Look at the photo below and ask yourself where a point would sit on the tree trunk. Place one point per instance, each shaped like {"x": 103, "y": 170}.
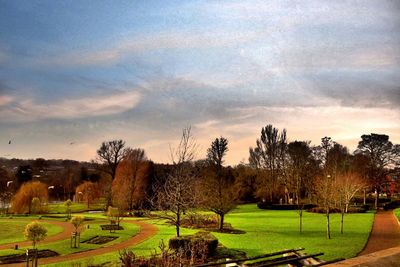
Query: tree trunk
{"x": 221, "y": 221}
{"x": 365, "y": 197}
{"x": 328, "y": 225}
{"x": 342, "y": 221}
{"x": 178, "y": 222}
{"x": 376, "y": 199}
{"x": 301, "y": 219}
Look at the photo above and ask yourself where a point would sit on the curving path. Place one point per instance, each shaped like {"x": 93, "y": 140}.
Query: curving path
{"x": 146, "y": 231}
{"x": 65, "y": 234}
{"x": 385, "y": 233}
{"x": 383, "y": 246}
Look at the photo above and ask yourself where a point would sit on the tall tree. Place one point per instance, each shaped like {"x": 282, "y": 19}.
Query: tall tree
{"x": 382, "y": 155}
{"x": 216, "y": 189}
{"x": 22, "y": 201}
{"x": 176, "y": 195}
{"x": 299, "y": 169}
{"x": 111, "y": 154}
{"x": 269, "y": 154}
{"x": 131, "y": 181}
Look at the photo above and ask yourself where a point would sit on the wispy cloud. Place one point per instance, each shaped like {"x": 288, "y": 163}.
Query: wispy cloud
{"x": 5, "y": 99}
{"x": 150, "y": 42}
{"x": 30, "y": 109}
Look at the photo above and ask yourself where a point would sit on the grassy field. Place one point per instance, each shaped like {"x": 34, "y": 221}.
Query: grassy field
{"x": 268, "y": 231}
{"x": 12, "y": 230}
{"x": 265, "y": 231}
{"x": 63, "y": 246}
{"x": 56, "y": 208}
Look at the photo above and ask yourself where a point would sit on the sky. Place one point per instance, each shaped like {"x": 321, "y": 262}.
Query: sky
{"x": 76, "y": 73}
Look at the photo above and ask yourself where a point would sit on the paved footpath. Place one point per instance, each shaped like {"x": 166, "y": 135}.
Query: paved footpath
{"x": 146, "y": 231}
{"x": 383, "y": 246}
{"x": 385, "y": 233}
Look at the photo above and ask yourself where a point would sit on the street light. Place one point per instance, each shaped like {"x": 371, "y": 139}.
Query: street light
{"x": 9, "y": 182}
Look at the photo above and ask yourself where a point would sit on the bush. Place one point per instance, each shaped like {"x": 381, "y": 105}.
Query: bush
{"x": 138, "y": 213}
{"x": 392, "y": 205}
{"x": 322, "y": 210}
{"x": 351, "y": 209}
{"x": 271, "y": 206}
{"x": 200, "y": 221}
{"x": 195, "y": 243}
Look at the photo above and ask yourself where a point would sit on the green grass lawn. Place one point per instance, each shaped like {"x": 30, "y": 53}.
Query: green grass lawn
{"x": 397, "y": 213}
{"x": 63, "y": 246}
{"x": 12, "y": 230}
{"x": 268, "y": 231}
{"x": 55, "y": 208}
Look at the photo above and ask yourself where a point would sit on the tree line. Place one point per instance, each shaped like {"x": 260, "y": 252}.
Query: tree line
{"x": 278, "y": 171}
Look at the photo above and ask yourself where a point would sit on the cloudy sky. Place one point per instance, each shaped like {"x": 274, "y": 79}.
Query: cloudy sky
{"x": 76, "y": 73}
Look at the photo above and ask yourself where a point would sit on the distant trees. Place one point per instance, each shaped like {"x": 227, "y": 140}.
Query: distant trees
{"x": 217, "y": 191}
{"x": 35, "y": 232}
{"x": 88, "y": 192}
{"x": 22, "y": 201}
{"x": 176, "y": 195}
{"x": 269, "y": 155}
{"x": 111, "y": 154}
{"x": 24, "y": 174}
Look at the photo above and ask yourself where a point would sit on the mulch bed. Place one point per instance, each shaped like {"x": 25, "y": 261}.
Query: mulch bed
{"x": 111, "y": 227}
{"x": 17, "y": 258}
{"x": 99, "y": 240}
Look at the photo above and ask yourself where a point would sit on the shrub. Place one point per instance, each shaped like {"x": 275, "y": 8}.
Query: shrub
{"x": 322, "y": 210}
{"x": 271, "y": 206}
{"x": 392, "y": 205}
{"x": 200, "y": 221}
{"x": 195, "y": 243}
{"x": 138, "y": 213}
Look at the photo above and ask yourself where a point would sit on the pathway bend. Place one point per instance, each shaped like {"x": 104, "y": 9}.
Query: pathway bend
{"x": 147, "y": 231}
{"x": 65, "y": 234}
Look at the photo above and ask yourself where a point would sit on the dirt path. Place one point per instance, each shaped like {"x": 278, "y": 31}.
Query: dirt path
{"x": 146, "y": 231}
{"x": 65, "y": 234}
{"x": 385, "y": 233}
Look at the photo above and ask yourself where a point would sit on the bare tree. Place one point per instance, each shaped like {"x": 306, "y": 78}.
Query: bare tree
{"x": 110, "y": 154}
{"x": 216, "y": 190}
{"x": 347, "y": 185}
{"x": 176, "y": 195}
{"x": 325, "y": 193}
